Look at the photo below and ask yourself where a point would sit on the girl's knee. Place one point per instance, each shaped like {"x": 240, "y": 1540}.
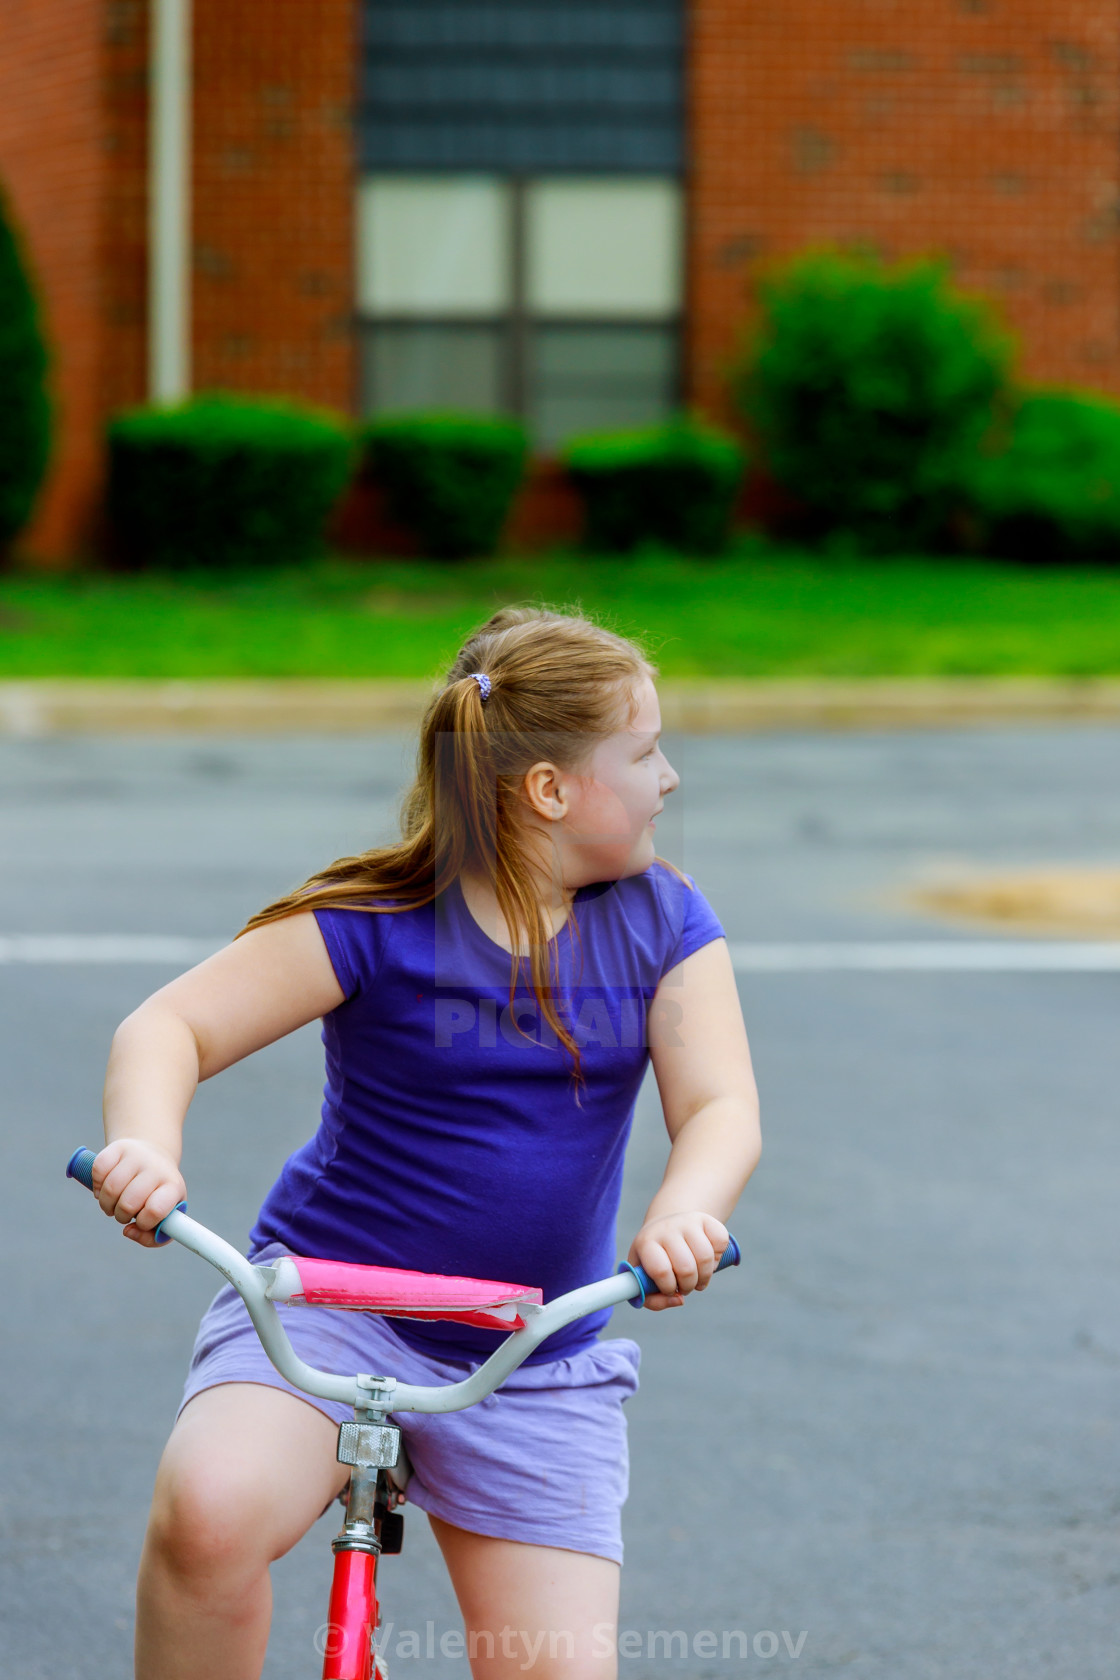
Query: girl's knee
{"x": 203, "y": 1525}
{"x": 246, "y": 1472}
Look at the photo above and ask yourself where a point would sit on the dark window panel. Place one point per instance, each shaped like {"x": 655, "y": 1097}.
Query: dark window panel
{"x": 647, "y": 25}
{"x": 599, "y": 378}
{"x": 578, "y": 377}
{"x": 560, "y": 148}
{"x": 551, "y": 86}
{"x": 433, "y": 366}
{"x": 454, "y": 89}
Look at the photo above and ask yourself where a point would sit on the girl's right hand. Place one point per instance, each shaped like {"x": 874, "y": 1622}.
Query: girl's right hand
{"x": 138, "y": 1184}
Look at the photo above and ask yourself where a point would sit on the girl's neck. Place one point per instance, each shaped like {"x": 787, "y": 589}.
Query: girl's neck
{"x": 555, "y": 901}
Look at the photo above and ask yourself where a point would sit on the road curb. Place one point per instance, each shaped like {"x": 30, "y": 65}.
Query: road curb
{"x": 81, "y": 707}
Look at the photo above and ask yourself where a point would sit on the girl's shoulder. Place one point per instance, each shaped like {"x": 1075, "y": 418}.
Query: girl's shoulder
{"x": 357, "y": 935}
{"x": 663, "y": 888}
{"x": 663, "y": 911}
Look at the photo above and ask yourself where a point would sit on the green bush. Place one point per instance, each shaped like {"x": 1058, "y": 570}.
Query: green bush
{"x": 869, "y": 389}
{"x": 450, "y": 479}
{"x": 675, "y": 485}
{"x": 224, "y": 481}
{"x": 25, "y": 418}
{"x": 1052, "y": 492}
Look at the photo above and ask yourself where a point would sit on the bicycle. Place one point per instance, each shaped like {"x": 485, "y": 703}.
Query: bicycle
{"x": 371, "y": 1445}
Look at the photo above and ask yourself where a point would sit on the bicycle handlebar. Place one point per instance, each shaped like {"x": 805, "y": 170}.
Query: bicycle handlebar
{"x": 80, "y": 1166}
{"x": 731, "y": 1256}
{"x": 385, "y": 1394}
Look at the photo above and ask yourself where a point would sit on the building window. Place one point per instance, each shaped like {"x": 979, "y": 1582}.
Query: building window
{"x": 556, "y": 299}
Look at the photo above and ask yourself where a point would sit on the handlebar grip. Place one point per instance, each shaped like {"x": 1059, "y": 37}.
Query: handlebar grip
{"x": 80, "y": 1166}
{"x": 731, "y": 1256}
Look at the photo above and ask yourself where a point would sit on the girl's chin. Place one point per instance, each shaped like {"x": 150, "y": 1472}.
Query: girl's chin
{"x": 643, "y": 854}
{"x": 616, "y": 862}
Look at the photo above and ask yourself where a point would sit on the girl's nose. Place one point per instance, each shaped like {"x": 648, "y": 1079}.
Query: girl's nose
{"x": 670, "y": 780}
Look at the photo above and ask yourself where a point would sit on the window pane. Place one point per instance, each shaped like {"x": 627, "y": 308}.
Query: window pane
{"x": 522, "y": 86}
{"x": 600, "y": 248}
{"x": 433, "y": 245}
{"x": 592, "y": 378}
{"x": 405, "y": 367}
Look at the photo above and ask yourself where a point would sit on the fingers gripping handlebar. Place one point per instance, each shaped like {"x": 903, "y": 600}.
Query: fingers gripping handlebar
{"x": 80, "y": 1166}
{"x": 731, "y": 1256}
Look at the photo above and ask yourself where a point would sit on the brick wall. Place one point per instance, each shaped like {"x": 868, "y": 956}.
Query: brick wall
{"x": 123, "y": 252}
{"x": 273, "y": 193}
{"x": 53, "y": 168}
{"x": 986, "y": 130}
{"x": 274, "y": 196}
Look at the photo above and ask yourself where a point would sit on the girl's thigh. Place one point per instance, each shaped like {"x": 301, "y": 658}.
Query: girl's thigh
{"x": 246, "y": 1471}
{"x": 537, "y": 1611}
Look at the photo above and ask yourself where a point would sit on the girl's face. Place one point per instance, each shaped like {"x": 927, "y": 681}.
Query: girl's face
{"x": 607, "y": 831}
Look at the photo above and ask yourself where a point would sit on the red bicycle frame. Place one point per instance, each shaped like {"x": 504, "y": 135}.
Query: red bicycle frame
{"x": 372, "y": 1447}
{"x": 352, "y": 1618}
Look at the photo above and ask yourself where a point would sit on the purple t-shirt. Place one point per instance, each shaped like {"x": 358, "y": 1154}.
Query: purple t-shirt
{"x": 451, "y": 1143}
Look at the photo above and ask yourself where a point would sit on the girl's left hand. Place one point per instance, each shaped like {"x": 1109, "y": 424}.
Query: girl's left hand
{"x": 680, "y": 1252}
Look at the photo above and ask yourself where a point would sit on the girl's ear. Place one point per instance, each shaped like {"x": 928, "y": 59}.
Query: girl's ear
{"x": 544, "y": 792}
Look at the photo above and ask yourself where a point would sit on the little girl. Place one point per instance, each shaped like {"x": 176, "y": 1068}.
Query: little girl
{"x": 492, "y": 987}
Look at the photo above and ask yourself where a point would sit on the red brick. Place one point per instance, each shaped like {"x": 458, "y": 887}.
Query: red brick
{"x": 986, "y": 131}
{"x": 54, "y": 167}
{"x": 274, "y": 179}
{"x": 272, "y": 212}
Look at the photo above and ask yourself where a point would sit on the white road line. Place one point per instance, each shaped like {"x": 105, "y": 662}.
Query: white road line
{"x": 885, "y": 956}
{"x": 104, "y": 948}
{"x": 945, "y": 956}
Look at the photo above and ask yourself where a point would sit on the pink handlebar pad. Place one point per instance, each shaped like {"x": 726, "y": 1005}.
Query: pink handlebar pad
{"x": 400, "y": 1294}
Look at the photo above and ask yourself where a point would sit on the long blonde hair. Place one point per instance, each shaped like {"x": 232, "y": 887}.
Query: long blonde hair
{"x": 559, "y": 685}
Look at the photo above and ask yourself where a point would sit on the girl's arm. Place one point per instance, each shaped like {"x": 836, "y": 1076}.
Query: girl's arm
{"x": 702, "y": 1062}
{"x": 266, "y": 984}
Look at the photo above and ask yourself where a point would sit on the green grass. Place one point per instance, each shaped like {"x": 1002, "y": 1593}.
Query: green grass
{"x": 762, "y": 611}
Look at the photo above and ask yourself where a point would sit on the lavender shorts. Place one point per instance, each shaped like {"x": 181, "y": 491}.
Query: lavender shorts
{"x": 543, "y": 1460}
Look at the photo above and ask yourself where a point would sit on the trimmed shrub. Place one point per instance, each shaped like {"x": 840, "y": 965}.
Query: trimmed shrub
{"x": 1053, "y": 492}
{"x": 225, "y": 482}
{"x": 675, "y": 485}
{"x": 869, "y": 389}
{"x": 25, "y": 415}
{"x": 448, "y": 478}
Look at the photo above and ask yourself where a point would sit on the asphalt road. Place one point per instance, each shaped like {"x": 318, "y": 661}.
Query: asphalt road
{"x": 893, "y": 1431}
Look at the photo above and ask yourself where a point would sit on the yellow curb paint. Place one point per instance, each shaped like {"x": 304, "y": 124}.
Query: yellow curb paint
{"x": 1068, "y": 900}
{"x": 294, "y": 706}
